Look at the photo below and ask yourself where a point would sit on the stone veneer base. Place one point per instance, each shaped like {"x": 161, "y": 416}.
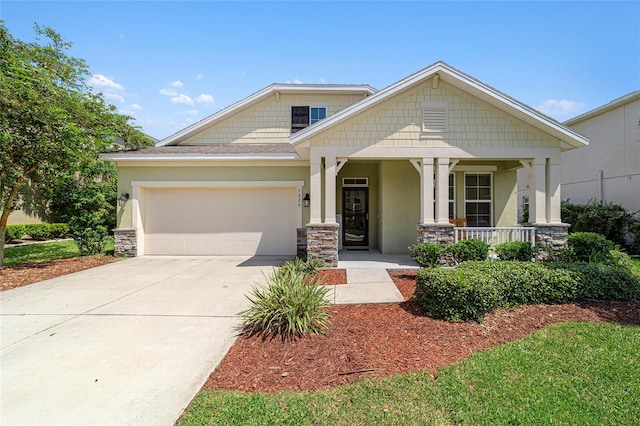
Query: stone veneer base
{"x": 441, "y": 233}
{"x": 322, "y": 243}
{"x": 125, "y": 242}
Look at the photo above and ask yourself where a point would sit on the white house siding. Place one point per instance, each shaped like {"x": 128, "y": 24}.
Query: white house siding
{"x": 471, "y": 124}
{"x": 614, "y": 149}
{"x": 268, "y": 121}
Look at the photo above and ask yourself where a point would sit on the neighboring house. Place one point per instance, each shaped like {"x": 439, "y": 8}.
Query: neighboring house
{"x": 378, "y": 169}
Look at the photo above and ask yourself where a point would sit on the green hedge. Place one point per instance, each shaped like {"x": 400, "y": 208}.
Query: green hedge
{"x": 14, "y": 232}
{"x": 37, "y": 231}
{"x": 427, "y": 255}
{"x": 516, "y": 250}
{"x": 476, "y": 288}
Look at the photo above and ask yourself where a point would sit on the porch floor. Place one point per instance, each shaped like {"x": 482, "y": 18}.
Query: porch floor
{"x": 373, "y": 259}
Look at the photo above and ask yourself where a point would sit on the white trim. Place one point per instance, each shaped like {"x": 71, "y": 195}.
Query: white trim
{"x": 453, "y": 165}
{"x": 616, "y": 103}
{"x": 198, "y": 157}
{"x": 475, "y": 168}
{"x": 417, "y": 164}
{"x": 217, "y": 184}
{"x": 341, "y": 163}
{"x": 259, "y": 95}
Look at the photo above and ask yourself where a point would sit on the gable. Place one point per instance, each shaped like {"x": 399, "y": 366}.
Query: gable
{"x": 399, "y": 120}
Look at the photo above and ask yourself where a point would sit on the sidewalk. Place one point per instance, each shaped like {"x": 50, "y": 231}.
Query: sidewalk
{"x": 366, "y": 286}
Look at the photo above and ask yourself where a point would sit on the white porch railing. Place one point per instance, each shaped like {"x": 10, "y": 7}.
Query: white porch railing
{"x": 496, "y": 235}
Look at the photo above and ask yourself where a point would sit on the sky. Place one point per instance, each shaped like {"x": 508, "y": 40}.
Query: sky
{"x": 169, "y": 64}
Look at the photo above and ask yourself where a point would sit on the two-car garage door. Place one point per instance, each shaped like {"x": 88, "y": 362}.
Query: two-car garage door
{"x": 220, "y": 221}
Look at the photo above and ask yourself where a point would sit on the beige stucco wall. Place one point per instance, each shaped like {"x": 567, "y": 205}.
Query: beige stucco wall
{"x": 399, "y": 206}
{"x": 505, "y": 198}
{"x": 472, "y": 123}
{"x": 206, "y": 173}
{"x": 268, "y": 121}
{"x": 369, "y": 170}
{"x": 614, "y": 148}
{"x": 21, "y": 217}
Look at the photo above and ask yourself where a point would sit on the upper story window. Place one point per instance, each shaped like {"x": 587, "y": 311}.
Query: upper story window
{"x": 303, "y": 116}
{"x": 434, "y": 117}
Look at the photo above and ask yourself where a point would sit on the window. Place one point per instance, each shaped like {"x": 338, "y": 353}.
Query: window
{"x": 303, "y": 116}
{"x": 434, "y": 117}
{"x": 477, "y": 199}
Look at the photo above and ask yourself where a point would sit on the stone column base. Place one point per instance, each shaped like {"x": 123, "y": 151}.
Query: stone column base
{"x": 552, "y": 235}
{"x": 322, "y": 243}
{"x": 301, "y": 242}
{"x": 441, "y": 233}
{"x": 125, "y": 242}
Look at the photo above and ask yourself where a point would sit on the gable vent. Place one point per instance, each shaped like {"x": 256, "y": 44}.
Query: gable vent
{"x": 434, "y": 117}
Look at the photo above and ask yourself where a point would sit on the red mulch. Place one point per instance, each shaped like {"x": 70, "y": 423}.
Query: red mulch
{"x": 389, "y": 339}
{"x": 332, "y": 276}
{"x": 29, "y": 273}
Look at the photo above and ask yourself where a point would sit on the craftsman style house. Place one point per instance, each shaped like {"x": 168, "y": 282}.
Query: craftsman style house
{"x": 313, "y": 169}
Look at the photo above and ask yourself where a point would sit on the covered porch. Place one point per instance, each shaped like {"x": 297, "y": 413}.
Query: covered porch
{"x": 387, "y": 204}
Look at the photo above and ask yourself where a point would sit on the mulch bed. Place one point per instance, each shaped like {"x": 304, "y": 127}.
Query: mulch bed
{"x": 29, "y": 273}
{"x": 389, "y": 339}
{"x": 332, "y": 276}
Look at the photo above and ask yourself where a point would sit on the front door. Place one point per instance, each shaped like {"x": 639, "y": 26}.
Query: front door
{"x": 355, "y": 217}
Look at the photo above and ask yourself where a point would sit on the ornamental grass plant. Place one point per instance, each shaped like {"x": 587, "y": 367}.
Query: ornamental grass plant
{"x": 292, "y": 304}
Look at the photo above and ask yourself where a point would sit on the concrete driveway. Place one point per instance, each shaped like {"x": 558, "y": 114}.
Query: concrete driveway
{"x": 131, "y": 342}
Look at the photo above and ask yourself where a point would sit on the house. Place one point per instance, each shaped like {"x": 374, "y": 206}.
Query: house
{"x": 608, "y": 170}
{"x": 299, "y": 168}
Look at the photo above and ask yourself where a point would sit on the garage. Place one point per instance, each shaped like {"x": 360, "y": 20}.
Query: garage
{"x": 231, "y": 219}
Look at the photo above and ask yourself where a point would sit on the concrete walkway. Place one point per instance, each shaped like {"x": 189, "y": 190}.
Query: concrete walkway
{"x": 366, "y": 286}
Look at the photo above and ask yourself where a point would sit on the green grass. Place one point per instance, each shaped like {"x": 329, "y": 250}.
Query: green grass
{"x": 566, "y": 374}
{"x": 45, "y": 252}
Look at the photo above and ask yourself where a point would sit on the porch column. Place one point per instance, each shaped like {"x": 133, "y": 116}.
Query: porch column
{"x": 553, "y": 190}
{"x": 426, "y": 191}
{"x": 442, "y": 188}
{"x": 537, "y": 192}
{"x": 315, "y": 184}
{"x": 330, "y": 190}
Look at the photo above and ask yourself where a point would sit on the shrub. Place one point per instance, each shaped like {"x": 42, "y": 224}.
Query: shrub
{"x": 38, "y": 231}
{"x": 426, "y": 255}
{"x": 306, "y": 267}
{"x": 456, "y": 294}
{"x": 602, "y": 282}
{"x": 529, "y": 283}
{"x": 14, "y": 232}
{"x": 588, "y": 247}
{"x": 607, "y": 219}
{"x": 515, "y": 250}
{"x": 289, "y": 306}
{"x": 465, "y": 250}
{"x": 58, "y": 230}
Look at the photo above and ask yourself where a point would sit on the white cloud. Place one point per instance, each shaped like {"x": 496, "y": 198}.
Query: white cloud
{"x": 295, "y": 81}
{"x": 199, "y": 77}
{"x": 136, "y": 107}
{"x": 177, "y": 83}
{"x": 100, "y": 82}
{"x": 113, "y": 97}
{"x": 204, "y": 99}
{"x": 561, "y": 108}
{"x": 168, "y": 92}
{"x": 182, "y": 99}
{"x": 187, "y": 112}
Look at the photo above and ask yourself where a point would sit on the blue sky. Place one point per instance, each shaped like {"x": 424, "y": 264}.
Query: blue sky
{"x": 169, "y": 64}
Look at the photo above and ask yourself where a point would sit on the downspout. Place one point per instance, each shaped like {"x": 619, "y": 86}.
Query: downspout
{"x": 601, "y": 186}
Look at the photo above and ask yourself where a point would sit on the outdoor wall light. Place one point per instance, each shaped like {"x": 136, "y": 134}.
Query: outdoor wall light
{"x": 306, "y": 200}
{"x": 122, "y": 199}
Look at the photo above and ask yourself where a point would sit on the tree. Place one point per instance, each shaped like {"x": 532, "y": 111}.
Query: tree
{"x": 51, "y": 122}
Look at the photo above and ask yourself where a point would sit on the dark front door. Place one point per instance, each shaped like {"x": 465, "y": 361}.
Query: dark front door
{"x": 355, "y": 217}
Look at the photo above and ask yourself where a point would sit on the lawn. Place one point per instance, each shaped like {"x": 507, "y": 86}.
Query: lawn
{"x": 572, "y": 373}
{"x": 44, "y": 252}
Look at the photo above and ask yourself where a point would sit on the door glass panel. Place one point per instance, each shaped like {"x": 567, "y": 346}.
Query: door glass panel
{"x": 355, "y": 217}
